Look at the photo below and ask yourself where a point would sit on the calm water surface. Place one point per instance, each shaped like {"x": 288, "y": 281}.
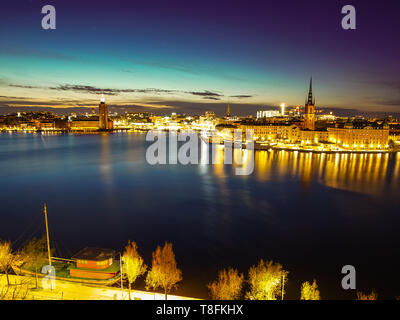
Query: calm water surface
{"x": 312, "y": 213}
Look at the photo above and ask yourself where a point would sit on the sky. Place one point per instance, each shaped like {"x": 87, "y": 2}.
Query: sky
{"x": 168, "y": 56}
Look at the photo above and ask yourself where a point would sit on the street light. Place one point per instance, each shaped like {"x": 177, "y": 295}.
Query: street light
{"x": 120, "y": 271}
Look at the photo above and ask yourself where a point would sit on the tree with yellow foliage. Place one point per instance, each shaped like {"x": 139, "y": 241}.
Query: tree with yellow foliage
{"x": 133, "y": 264}
{"x": 164, "y": 272}
{"x": 35, "y": 255}
{"x": 267, "y": 281}
{"x": 228, "y": 286}
{"x": 7, "y": 258}
{"x": 365, "y": 296}
{"x": 310, "y": 291}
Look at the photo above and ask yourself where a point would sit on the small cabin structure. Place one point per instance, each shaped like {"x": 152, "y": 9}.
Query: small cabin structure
{"x": 94, "y": 263}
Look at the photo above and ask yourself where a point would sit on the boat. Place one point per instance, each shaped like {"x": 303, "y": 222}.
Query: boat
{"x": 88, "y": 266}
{"x": 26, "y": 272}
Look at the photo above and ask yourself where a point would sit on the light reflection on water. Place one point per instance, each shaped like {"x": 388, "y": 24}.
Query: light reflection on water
{"x": 372, "y": 174}
{"x": 366, "y": 173}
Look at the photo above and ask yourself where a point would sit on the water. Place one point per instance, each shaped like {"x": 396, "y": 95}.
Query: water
{"x": 312, "y": 213}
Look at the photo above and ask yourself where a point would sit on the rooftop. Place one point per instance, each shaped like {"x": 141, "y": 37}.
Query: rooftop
{"x": 94, "y": 254}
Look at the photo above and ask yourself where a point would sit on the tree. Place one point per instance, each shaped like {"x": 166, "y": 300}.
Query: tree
{"x": 34, "y": 255}
{"x": 133, "y": 264}
{"x": 164, "y": 272}
{"x": 310, "y": 291}
{"x": 7, "y": 258}
{"x": 228, "y": 285}
{"x": 365, "y": 296}
{"x": 266, "y": 280}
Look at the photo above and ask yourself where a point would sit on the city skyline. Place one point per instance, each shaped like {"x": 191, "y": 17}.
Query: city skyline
{"x": 190, "y": 59}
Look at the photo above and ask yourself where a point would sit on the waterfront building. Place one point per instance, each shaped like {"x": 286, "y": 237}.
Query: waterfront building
{"x": 312, "y": 136}
{"x": 44, "y": 125}
{"x": 371, "y": 136}
{"x": 93, "y": 123}
{"x": 103, "y": 115}
{"x": 329, "y": 133}
{"x": 367, "y": 137}
{"x": 90, "y": 124}
{"x": 271, "y": 131}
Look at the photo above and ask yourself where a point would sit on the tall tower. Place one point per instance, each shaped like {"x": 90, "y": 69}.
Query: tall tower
{"x": 103, "y": 114}
{"x": 228, "y": 112}
{"x": 309, "y": 114}
{"x": 282, "y": 109}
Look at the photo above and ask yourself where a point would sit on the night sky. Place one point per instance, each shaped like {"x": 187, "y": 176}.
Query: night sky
{"x": 191, "y": 55}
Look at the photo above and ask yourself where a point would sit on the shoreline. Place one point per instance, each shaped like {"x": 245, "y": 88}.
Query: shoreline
{"x": 65, "y": 290}
{"x": 257, "y": 146}
{"x": 325, "y": 151}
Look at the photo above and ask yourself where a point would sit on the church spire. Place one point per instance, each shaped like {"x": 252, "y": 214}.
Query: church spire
{"x": 228, "y": 111}
{"x": 310, "y": 101}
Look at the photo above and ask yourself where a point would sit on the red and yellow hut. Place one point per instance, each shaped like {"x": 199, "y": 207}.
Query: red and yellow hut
{"x": 95, "y": 263}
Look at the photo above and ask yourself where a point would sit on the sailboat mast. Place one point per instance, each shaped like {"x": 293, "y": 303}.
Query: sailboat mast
{"x": 47, "y": 233}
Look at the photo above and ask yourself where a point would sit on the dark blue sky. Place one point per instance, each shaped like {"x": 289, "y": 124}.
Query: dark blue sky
{"x": 169, "y": 53}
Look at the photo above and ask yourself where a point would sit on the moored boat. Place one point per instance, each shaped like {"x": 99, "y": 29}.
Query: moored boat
{"x": 89, "y": 266}
{"x": 67, "y": 270}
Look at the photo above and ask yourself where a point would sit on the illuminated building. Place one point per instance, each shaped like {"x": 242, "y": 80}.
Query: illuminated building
{"x": 103, "y": 115}
{"x": 326, "y": 117}
{"x": 228, "y": 112}
{"x": 312, "y": 137}
{"x": 331, "y": 134}
{"x": 282, "y": 109}
{"x": 44, "y": 125}
{"x": 272, "y": 131}
{"x": 267, "y": 114}
{"x": 309, "y": 112}
{"x": 368, "y": 137}
{"x": 93, "y": 123}
{"x": 210, "y": 115}
{"x": 85, "y": 125}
